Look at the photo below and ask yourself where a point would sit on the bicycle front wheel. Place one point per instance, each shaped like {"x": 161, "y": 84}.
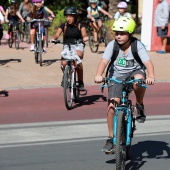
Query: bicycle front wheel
{"x": 68, "y": 87}
{"x": 40, "y": 50}
{"x": 92, "y": 45}
{"x": 27, "y": 31}
{"x": 120, "y": 148}
{"x": 10, "y": 40}
{"x": 17, "y": 40}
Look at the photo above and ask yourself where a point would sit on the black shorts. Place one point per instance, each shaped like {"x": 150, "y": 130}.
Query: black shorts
{"x": 162, "y": 32}
{"x": 115, "y": 91}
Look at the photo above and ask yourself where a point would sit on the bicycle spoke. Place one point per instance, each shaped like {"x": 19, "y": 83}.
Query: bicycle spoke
{"x": 68, "y": 88}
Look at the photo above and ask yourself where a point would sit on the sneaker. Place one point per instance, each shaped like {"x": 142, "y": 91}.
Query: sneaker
{"x": 140, "y": 113}
{"x": 96, "y": 43}
{"x": 108, "y": 147}
{"x": 81, "y": 86}
{"x": 32, "y": 47}
{"x": 44, "y": 50}
{"x": 161, "y": 52}
{"x": 7, "y": 36}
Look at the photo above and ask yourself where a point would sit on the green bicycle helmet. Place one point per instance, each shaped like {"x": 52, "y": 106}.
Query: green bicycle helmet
{"x": 124, "y": 24}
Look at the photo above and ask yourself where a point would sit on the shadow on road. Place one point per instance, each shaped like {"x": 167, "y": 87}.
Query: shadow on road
{"x": 88, "y": 100}
{"x": 3, "y": 62}
{"x": 49, "y": 62}
{"x": 142, "y": 151}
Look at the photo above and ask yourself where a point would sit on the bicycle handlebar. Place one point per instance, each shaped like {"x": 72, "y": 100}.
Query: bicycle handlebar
{"x": 79, "y": 41}
{"x": 39, "y": 20}
{"x": 138, "y": 82}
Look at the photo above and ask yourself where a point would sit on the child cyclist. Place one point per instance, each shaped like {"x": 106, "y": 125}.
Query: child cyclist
{"x": 73, "y": 30}
{"x": 93, "y": 14}
{"x": 12, "y": 15}
{"x": 122, "y": 10}
{"x": 124, "y": 28}
{"x": 37, "y": 12}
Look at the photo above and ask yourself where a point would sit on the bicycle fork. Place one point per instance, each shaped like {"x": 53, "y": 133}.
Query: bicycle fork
{"x": 128, "y": 126}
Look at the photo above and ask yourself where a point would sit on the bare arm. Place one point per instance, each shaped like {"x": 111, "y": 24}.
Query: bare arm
{"x": 84, "y": 34}
{"x": 58, "y": 33}
{"x": 49, "y": 11}
{"x": 106, "y": 13}
{"x": 20, "y": 17}
{"x": 90, "y": 17}
{"x": 150, "y": 70}
{"x": 100, "y": 70}
{"x": 6, "y": 16}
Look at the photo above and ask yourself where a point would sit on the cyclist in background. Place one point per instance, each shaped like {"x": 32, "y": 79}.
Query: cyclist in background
{"x": 123, "y": 68}
{"x": 12, "y": 15}
{"x": 37, "y": 12}
{"x": 93, "y": 12}
{"x": 73, "y": 30}
{"x": 25, "y": 8}
{"x": 122, "y": 10}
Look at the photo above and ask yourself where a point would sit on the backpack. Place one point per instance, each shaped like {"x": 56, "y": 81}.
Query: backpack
{"x": 65, "y": 27}
{"x": 116, "y": 52}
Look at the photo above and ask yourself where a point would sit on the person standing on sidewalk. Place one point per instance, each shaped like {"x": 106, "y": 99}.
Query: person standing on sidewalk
{"x": 161, "y": 22}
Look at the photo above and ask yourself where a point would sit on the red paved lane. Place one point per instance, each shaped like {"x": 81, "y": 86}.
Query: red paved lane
{"x": 46, "y": 104}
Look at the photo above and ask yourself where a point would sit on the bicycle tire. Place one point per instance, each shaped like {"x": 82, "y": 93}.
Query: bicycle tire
{"x": 17, "y": 40}
{"x": 46, "y": 34}
{"x": 27, "y": 31}
{"x": 40, "y": 50}
{"x": 10, "y": 40}
{"x": 36, "y": 51}
{"x": 76, "y": 91}
{"x": 106, "y": 36}
{"x": 22, "y": 37}
{"x": 120, "y": 148}
{"x": 93, "y": 47}
{"x": 68, "y": 87}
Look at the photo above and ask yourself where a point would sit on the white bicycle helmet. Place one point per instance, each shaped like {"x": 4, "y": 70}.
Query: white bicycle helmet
{"x": 93, "y": 1}
{"x": 122, "y": 4}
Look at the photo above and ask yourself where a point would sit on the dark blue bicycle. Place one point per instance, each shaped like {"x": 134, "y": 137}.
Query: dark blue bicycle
{"x": 124, "y": 121}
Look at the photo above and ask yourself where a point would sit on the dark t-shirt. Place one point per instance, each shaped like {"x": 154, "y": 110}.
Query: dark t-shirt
{"x": 72, "y": 32}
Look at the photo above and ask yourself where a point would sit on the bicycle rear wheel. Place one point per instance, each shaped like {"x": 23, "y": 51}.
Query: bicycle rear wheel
{"x": 68, "y": 87}
{"x": 17, "y": 40}
{"x": 120, "y": 149}
{"x": 93, "y": 47}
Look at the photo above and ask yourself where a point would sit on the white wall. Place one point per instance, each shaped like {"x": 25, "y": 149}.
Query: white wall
{"x": 147, "y": 17}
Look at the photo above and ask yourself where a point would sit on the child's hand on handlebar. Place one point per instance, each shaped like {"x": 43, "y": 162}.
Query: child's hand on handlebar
{"x": 150, "y": 81}
{"x": 98, "y": 79}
